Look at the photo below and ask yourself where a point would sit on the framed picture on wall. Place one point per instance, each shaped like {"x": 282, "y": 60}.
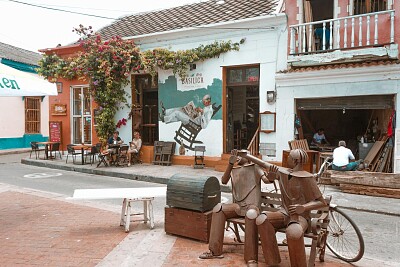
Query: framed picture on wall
{"x": 267, "y": 122}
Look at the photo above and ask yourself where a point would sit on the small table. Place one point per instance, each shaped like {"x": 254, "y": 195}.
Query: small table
{"x": 82, "y": 147}
{"x": 46, "y": 148}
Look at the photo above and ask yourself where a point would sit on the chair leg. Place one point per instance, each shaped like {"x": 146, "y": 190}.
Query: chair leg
{"x": 128, "y": 216}
{"x": 123, "y": 213}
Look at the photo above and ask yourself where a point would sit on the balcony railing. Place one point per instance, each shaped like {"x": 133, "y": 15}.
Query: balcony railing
{"x": 342, "y": 33}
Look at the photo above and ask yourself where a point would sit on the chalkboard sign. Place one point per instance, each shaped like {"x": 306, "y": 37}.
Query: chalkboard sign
{"x": 55, "y": 131}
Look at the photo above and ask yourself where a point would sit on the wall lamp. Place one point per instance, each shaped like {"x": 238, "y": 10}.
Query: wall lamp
{"x": 271, "y": 96}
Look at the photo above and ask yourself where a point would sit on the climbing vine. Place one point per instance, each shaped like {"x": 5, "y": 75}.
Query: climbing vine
{"x": 106, "y": 66}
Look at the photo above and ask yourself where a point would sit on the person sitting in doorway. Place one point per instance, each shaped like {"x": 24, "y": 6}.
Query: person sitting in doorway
{"x": 342, "y": 157}
{"x": 135, "y": 146}
{"x": 319, "y": 138}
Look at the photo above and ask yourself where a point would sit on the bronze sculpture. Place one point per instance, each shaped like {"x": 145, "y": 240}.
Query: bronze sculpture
{"x": 300, "y": 195}
{"x": 246, "y": 191}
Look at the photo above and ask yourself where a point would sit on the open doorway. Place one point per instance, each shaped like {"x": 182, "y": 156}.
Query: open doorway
{"x": 358, "y": 120}
{"x": 145, "y": 107}
{"x": 319, "y": 10}
{"x": 243, "y": 105}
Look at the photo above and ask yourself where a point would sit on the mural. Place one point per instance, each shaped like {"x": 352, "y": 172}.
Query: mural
{"x": 194, "y": 108}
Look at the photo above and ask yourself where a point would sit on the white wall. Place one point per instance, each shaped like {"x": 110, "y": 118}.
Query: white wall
{"x": 12, "y": 119}
{"x": 266, "y": 44}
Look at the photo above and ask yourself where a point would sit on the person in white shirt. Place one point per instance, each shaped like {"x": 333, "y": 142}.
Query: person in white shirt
{"x": 342, "y": 157}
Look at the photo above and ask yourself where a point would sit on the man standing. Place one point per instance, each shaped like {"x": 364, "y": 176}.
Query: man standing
{"x": 341, "y": 157}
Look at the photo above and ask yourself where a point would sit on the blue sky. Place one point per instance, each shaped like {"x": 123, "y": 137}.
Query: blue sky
{"x": 34, "y": 28}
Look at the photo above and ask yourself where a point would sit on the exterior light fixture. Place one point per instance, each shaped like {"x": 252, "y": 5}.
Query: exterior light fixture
{"x": 271, "y": 97}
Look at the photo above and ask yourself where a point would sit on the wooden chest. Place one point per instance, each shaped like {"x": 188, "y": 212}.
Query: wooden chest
{"x": 193, "y": 193}
{"x": 188, "y": 223}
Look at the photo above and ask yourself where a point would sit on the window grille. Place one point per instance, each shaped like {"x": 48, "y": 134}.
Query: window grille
{"x": 32, "y": 115}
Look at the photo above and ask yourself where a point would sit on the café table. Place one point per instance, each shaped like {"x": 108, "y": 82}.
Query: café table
{"x": 82, "y": 147}
{"x": 47, "y": 144}
{"x": 115, "y": 151}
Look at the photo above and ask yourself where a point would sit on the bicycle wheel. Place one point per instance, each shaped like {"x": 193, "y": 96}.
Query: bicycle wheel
{"x": 344, "y": 237}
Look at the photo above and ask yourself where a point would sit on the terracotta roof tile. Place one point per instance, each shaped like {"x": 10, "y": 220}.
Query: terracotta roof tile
{"x": 186, "y": 16}
{"x": 343, "y": 65}
{"x": 19, "y": 55}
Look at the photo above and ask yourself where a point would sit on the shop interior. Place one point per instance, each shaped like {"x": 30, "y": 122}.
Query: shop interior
{"x": 360, "y": 128}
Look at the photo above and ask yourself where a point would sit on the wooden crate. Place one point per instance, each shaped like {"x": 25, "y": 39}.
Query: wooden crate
{"x": 188, "y": 223}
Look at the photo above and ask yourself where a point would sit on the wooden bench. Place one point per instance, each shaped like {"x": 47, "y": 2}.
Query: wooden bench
{"x": 317, "y": 230}
{"x": 129, "y": 195}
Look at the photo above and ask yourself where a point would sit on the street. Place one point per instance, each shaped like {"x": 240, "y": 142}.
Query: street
{"x": 381, "y": 232}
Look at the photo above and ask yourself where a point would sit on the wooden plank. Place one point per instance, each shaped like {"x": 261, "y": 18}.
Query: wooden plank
{"x": 378, "y": 181}
{"x": 370, "y": 190}
{"x": 372, "y": 154}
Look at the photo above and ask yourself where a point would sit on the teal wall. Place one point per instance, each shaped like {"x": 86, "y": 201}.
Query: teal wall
{"x": 173, "y": 98}
{"x": 21, "y": 142}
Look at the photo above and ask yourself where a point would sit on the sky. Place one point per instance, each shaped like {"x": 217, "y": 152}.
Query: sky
{"x": 27, "y": 26}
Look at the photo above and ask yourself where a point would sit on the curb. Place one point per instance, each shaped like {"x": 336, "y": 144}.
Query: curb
{"x": 158, "y": 180}
{"x": 130, "y": 176}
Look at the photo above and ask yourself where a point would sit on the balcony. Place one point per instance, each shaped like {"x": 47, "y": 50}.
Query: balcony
{"x": 343, "y": 38}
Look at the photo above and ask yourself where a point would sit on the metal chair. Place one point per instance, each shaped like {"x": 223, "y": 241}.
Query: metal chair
{"x": 55, "y": 148}
{"x": 94, "y": 151}
{"x": 71, "y": 151}
{"x": 35, "y": 148}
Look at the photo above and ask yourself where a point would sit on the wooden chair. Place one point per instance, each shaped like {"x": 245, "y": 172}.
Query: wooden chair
{"x": 296, "y": 144}
{"x": 199, "y": 157}
{"x": 317, "y": 230}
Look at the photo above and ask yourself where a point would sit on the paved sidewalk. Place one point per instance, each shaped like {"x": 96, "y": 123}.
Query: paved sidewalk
{"x": 41, "y": 228}
{"x": 45, "y": 229}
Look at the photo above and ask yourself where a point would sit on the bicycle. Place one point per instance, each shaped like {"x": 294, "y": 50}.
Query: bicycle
{"x": 344, "y": 238}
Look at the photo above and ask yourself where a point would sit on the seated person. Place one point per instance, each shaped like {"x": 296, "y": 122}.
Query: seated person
{"x": 113, "y": 140}
{"x": 341, "y": 157}
{"x": 319, "y": 138}
{"x": 135, "y": 146}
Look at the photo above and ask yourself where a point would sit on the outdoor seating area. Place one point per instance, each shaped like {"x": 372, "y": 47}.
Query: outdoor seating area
{"x": 81, "y": 154}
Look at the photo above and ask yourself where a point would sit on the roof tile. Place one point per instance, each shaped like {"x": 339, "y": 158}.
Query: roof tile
{"x": 191, "y": 15}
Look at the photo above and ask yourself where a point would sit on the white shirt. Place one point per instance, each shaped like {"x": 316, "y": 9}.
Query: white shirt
{"x": 341, "y": 156}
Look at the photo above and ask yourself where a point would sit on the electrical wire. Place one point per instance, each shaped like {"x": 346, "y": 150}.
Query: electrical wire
{"x": 62, "y": 10}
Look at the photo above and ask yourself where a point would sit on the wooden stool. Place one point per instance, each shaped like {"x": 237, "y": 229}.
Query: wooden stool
{"x": 147, "y": 212}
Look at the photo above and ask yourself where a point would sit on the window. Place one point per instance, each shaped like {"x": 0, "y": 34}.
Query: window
{"x": 369, "y": 6}
{"x": 32, "y": 115}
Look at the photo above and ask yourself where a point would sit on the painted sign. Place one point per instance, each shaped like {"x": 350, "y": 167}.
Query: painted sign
{"x": 193, "y": 81}
{"x": 55, "y": 131}
{"x": 18, "y": 83}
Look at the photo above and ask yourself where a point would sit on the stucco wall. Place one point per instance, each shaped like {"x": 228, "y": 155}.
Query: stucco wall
{"x": 264, "y": 45}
